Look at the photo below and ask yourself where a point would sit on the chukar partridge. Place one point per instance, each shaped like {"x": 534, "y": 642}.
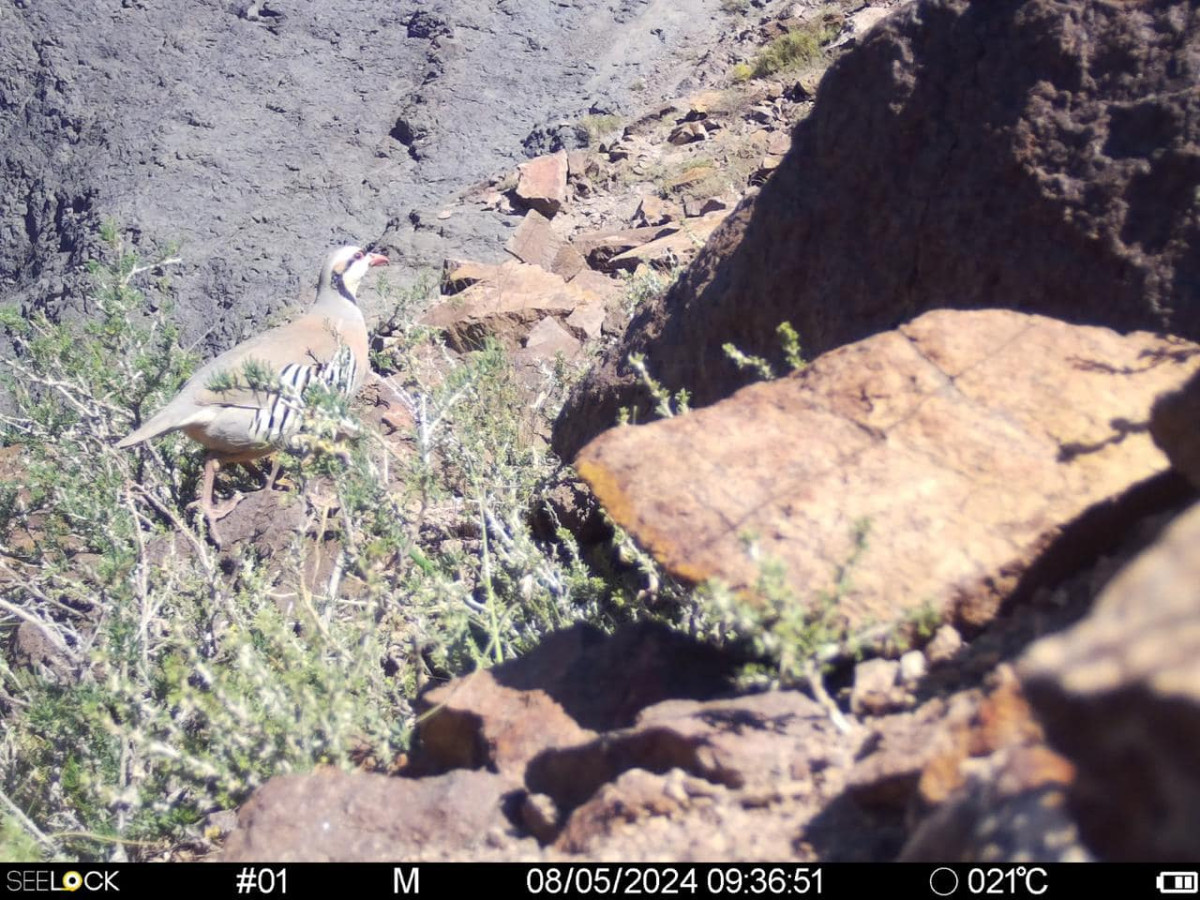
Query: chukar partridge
{"x": 238, "y": 422}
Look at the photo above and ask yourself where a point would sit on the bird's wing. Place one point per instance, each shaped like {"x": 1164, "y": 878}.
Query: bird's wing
{"x": 250, "y": 374}
{"x": 292, "y": 355}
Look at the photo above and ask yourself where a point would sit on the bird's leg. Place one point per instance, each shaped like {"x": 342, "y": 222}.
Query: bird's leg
{"x": 213, "y": 513}
{"x": 205, "y": 500}
{"x": 275, "y": 466}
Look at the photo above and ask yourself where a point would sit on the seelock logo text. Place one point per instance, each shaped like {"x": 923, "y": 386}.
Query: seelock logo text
{"x": 43, "y": 881}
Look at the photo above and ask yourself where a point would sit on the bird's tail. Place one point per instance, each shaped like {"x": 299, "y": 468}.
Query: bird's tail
{"x": 151, "y": 429}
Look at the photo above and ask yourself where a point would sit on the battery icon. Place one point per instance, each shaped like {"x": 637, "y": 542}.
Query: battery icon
{"x": 1177, "y": 883}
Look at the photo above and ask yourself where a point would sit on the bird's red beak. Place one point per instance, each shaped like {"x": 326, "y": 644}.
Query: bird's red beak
{"x": 377, "y": 259}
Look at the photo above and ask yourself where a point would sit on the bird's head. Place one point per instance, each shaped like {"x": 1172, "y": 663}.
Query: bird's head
{"x": 345, "y": 268}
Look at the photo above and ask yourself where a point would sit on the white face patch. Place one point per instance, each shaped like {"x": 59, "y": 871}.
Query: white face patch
{"x": 355, "y": 272}
{"x": 343, "y": 267}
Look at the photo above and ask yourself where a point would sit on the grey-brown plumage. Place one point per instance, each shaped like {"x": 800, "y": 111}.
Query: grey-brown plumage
{"x": 239, "y": 422}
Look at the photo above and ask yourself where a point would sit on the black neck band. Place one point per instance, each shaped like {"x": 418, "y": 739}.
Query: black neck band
{"x": 343, "y": 290}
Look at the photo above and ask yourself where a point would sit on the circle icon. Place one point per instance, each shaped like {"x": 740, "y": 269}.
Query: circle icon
{"x": 943, "y": 881}
{"x": 72, "y": 881}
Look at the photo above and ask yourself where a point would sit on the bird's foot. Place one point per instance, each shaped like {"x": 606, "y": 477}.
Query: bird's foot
{"x": 213, "y": 513}
{"x": 218, "y": 511}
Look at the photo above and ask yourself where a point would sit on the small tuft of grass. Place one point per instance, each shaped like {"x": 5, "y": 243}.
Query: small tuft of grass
{"x": 790, "y": 51}
{"x": 599, "y": 125}
{"x": 800, "y": 48}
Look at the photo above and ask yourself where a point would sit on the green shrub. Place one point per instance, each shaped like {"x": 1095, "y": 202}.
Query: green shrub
{"x": 794, "y": 635}
{"x": 645, "y": 284}
{"x": 793, "y": 354}
{"x": 174, "y": 679}
{"x": 667, "y": 405}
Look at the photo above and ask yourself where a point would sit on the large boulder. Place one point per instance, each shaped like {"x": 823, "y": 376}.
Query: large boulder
{"x": 986, "y": 451}
{"x": 1037, "y": 155}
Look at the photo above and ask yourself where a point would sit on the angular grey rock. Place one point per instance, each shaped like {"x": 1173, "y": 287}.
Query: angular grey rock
{"x": 542, "y": 184}
{"x": 332, "y": 816}
{"x": 1119, "y": 695}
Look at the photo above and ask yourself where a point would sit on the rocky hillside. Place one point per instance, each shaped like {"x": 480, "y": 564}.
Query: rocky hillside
{"x": 895, "y": 305}
{"x": 254, "y": 135}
